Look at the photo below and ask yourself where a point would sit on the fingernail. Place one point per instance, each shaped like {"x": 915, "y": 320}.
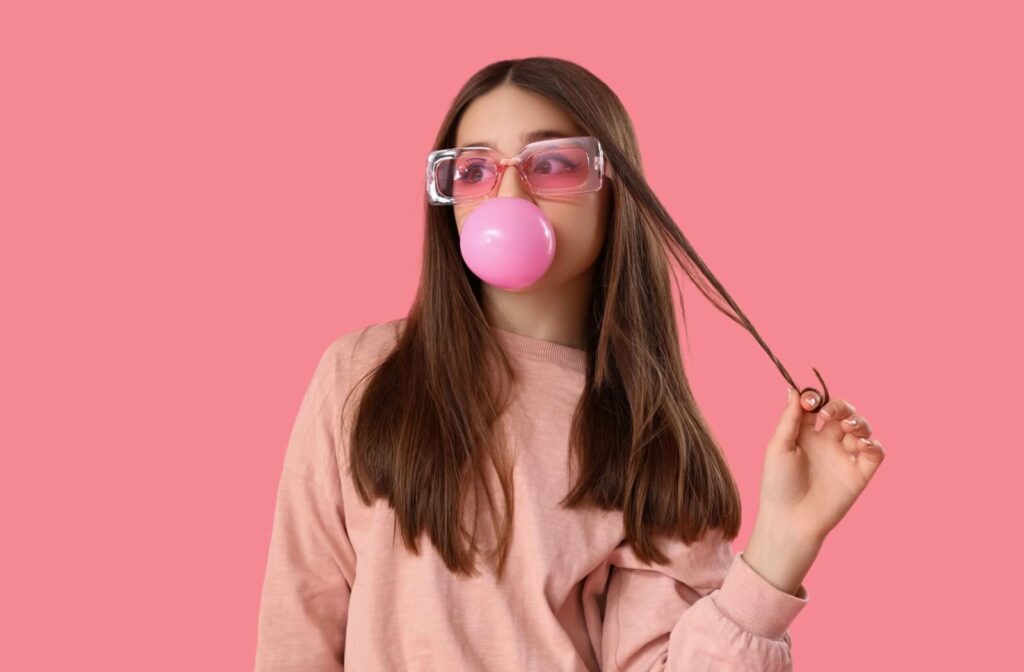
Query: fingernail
{"x": 865, "y": 441}
{"x": 812, "y": 400}
{"x": 852, "y": 422}
{"x": 789, "y": 394}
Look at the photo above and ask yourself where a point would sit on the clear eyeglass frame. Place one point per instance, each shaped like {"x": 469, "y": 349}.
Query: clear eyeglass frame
{"x": 590, "y": 144}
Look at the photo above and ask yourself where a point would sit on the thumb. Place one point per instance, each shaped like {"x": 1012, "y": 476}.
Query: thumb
{"x": 788, "y": 429}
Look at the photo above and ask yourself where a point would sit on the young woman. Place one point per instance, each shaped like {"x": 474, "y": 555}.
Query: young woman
{"x": 531, "y": 416}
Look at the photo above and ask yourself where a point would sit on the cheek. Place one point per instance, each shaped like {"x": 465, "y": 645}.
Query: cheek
{"x": 580, "y": 234}
{"x": 580, "y": 242}
{"x": 460, "y": 212}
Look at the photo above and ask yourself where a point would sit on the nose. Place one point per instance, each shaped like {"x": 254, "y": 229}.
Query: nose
{"x": 512, "y": 182}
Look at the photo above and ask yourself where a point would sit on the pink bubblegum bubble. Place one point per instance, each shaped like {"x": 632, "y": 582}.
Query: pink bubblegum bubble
{"x": 508, "y": 242}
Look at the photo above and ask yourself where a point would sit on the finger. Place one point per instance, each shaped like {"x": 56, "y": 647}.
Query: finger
{"x": 788, "y": 429}
{"x": 850, "y": 442}
{"x": 868, "y": 457}
{"x": 833, "y": 413}
{"x": 837, "y": 409}
{"x": 856, "y": 425}
{"x": 809, "y": 402}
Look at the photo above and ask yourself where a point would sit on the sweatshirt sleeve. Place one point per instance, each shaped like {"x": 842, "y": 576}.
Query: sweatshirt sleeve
{"x": 311, "y": 563}
{"x": 686, "y": 616}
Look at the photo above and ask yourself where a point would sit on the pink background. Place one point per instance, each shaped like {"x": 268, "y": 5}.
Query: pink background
{"x": 185, "y": 228}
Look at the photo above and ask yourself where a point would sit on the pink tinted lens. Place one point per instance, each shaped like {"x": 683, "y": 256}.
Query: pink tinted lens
{"x": 466, "y": 176}
{"x": 560, "y": 168}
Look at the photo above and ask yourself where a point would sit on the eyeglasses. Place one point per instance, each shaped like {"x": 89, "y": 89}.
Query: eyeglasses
{"x": 550, "y": 167}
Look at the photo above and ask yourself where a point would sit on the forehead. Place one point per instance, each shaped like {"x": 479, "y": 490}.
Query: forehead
{"x": 508, "y": 117}
{"x": 524, "y": 139}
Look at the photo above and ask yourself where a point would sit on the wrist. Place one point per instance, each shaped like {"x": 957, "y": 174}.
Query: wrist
{"x": 781, "y": 557}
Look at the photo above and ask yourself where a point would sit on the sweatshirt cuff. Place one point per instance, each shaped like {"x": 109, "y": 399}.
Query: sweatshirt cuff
{"x": 755, "y": 604}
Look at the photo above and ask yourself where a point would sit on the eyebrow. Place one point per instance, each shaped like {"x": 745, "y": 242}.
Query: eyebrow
{"x": 527, "y": 138}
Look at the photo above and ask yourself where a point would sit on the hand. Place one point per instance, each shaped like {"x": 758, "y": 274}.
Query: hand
{"x": 812, "y": 477}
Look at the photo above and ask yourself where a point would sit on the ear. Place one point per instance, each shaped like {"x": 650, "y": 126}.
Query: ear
{"x": 608, "y": 168}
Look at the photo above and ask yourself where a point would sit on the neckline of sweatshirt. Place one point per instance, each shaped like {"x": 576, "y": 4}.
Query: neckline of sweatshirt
{"x": 538, "y": 349}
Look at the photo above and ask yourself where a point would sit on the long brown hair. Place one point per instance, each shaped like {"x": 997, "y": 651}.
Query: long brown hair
{"x": 427, "y": 427}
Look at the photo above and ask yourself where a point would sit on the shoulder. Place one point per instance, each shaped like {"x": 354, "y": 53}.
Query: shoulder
{"x": 361, "y": 346}
{"x": 352, "y": 353}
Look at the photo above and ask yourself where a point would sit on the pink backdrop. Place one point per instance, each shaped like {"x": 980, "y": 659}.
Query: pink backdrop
{"x": 190, "y": 214}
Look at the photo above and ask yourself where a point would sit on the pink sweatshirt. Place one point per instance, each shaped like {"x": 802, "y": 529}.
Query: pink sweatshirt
{"x": 342, "y": 593}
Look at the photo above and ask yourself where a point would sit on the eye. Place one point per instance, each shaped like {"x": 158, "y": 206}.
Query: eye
{"x": 548, "y": 164}
{"x": 471, "y": 171}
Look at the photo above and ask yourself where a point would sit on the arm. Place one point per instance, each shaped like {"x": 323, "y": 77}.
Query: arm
{"x": 686, "y": 616}
{"x": 310, "y": 566}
